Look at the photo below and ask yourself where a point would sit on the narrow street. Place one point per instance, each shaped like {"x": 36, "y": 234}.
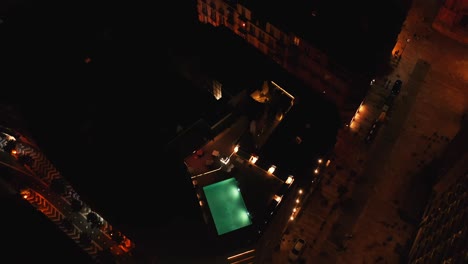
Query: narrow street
{"x": 364, "y": 224}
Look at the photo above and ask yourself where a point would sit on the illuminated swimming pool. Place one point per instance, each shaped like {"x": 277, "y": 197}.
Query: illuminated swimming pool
{"x": 227, "y": 206}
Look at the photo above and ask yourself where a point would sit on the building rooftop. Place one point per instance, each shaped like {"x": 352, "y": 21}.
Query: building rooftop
{"x": 208, "y": 166}
{"x": 349, "y": 32}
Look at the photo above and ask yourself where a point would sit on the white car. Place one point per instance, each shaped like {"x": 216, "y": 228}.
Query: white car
{"x": 297, "y": 250}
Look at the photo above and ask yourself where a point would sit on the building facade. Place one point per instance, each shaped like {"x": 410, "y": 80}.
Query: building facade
{"x": 291, "y": 51}
{"x": 442, "y": 236}
{"x": 452, "y": 20}
{"x": 443, "y": 233}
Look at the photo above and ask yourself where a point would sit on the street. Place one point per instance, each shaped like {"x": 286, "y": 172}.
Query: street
{"x": 365, "y": 223}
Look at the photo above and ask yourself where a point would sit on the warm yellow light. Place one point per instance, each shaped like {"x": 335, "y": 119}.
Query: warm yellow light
{"x": 253, "y": 159}
{"x": 291, "y": 218}
{"x": 319, "y": 161}
{"x": 328, "y": 163}
{"x": 297, "y": 200}
{"x": 236, "y": 148}
{"x": 240, "y": 254}
{"x": 279, "y": 87}
{"x": 25, "y": 194}
{"x": 13, "y": 152}
{"x": 316, "y": 171}
{"x": 295, "y": 209}
{"x": 290, "y": 179}
{"x": 300, "y": 191}
{"x": 277, "y": 198}
{"x": 272, "y": 169}
{"x": 279, "y": 116}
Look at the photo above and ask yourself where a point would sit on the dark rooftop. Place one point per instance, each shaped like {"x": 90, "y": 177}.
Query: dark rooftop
{"x": 346, "y": 30}
{"x": 317, "y": 134}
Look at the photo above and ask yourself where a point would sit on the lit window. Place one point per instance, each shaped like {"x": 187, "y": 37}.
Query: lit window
{"x": 297, "y": 41}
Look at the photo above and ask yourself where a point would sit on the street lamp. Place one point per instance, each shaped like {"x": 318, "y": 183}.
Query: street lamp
{"x": 272, "y": 169}
{"x": 253, "y": 159}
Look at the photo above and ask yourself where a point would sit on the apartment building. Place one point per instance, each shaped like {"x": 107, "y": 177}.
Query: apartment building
{"x": 452, "y": 20}
{"x": 442, "y": 236}
{"x": 283, "y": 45}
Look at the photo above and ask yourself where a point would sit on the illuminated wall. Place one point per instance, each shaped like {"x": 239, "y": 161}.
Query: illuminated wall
{"x": 287, "y": 49}
{"x": 452, "y": 20}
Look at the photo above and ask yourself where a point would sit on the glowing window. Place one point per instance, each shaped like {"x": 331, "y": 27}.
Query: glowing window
{"x": 297, "y": 41}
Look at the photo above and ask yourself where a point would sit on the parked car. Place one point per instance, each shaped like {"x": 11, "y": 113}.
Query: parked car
{"x": 373, "y": 131}
{"x": 397, "y": 87}
{"x": 296, "y": 251}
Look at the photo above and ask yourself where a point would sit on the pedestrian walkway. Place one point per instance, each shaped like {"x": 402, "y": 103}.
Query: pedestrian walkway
{"x": 364, "y": 224}
{"x": 426, "y": 111}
